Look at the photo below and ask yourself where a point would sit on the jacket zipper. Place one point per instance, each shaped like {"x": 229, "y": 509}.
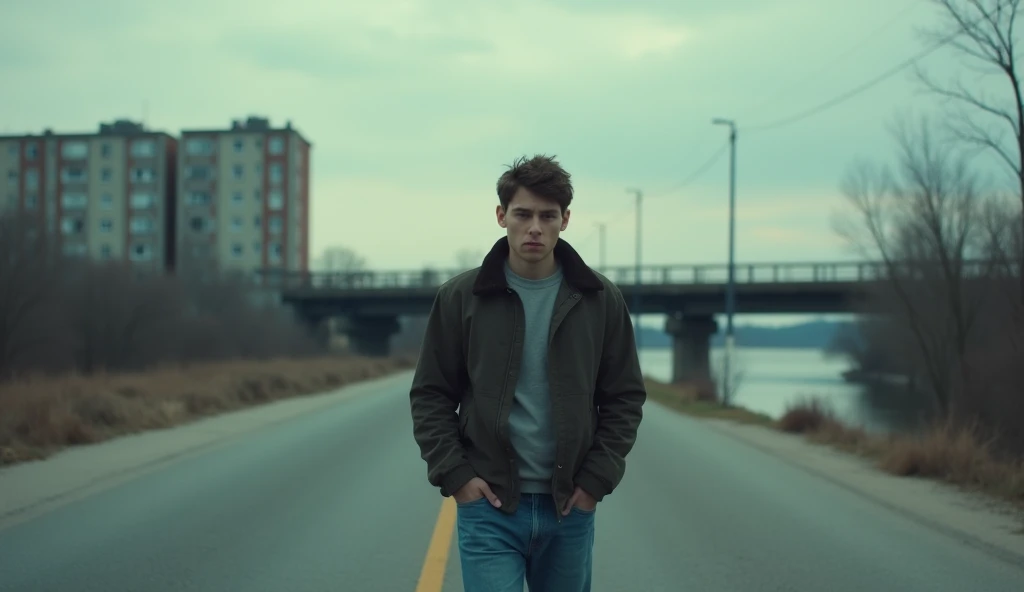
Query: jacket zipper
{"x": 501, "y": 400}
{"x": 558, "y": 447}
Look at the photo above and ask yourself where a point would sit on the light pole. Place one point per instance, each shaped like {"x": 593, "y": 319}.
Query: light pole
{"x": 730, "y": 289}
{"x": 636, "y": 288}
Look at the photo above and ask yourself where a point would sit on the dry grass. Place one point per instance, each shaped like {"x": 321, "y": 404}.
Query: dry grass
{"x": 955, "y": 455}
{"x": 958, "y": 456}
{"x": 699, "y": 400}
{"x": 41, "y": 416}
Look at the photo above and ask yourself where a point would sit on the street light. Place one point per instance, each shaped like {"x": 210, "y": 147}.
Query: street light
{"x": 636, "y": 289}
{"x": 601, "y": 228}
{"x": 730, "y": 289}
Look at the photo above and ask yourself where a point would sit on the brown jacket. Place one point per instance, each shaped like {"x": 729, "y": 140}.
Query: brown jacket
{"x": 465, "y": 381}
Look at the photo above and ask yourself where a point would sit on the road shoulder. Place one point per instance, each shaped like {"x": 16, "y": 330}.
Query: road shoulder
{"x": 33, "y": 488}
{"x": 974, "y": 519}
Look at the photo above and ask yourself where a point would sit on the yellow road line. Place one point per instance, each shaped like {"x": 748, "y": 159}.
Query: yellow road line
{"x": 432, "y": 574}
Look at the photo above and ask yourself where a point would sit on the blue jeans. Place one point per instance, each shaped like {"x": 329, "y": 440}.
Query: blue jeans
{"x": 498, "y": 551}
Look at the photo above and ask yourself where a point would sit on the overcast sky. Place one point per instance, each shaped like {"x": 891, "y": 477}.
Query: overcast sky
{"x": 414, "y": 107}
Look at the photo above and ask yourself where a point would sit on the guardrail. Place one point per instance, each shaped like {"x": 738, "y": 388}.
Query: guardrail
{"x": 754, "y": 273}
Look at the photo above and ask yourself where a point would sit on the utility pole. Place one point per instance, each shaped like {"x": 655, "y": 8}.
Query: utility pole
{"x": 636, "y": 289}
{"x": 601, "y": 227}
{"x": 730, "y": 290}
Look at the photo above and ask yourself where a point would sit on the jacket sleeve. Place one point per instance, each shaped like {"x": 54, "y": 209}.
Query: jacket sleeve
{"x": 437, "y": 387}
{"x": 620, "y": 396}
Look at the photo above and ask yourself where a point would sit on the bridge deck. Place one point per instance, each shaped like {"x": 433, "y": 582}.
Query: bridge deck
{"x": 695, "y": 289}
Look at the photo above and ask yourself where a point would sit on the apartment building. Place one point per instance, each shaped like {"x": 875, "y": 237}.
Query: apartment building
{"x": 104, "y": 195}
{"x": 243, "y": 199}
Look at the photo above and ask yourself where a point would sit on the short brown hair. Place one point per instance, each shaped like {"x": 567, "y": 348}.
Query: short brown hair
{"x": 541, "y": 175}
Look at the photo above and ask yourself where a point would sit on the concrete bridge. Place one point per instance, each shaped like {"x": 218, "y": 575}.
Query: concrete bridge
{"x": 369, "y": 303}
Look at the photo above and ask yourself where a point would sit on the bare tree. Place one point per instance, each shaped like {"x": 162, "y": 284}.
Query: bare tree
{"x": 120, "y": 321}
{"x": 341, "y": 260}
{"x": 983, "y": 32}
{"x": 30, "y": 279}
{"x": 926, "y": 224}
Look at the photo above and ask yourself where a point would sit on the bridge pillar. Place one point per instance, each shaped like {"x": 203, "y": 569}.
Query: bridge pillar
{"x": 691, "y": 346}
{"x": 371, "y": 336}
{"x": 318, "y": 328}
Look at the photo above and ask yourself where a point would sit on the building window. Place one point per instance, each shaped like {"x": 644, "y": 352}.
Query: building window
{"x": 106, "y": 201}
{"x": 106, "y": 251}
{"x": 31, "y": 151}
{"x": 32, "y": 179}
{"x": 199, "y": 198}
{"x": 257, "y": 221}
{"x": 237, "y": 249}
{"x": 238, "y": 170}
{"x": 239, "y": 144}
{"x": 199, "y": 224}
{"x": 199, "y": 173}
{"x": 276, "y": 173}
{"x": 237, "y": 197}
{"x": 31, "y": 201}
{"x": 74, "y": 201}
{"x": 141, "y": 200}
{"x": 74, "y": 150}
{"x": 106, "y": 175}
{"x": 236, "y": 224}
{"x": 275, "y": 201}
{"x": 72, "y": 226}
{"x": 141, "y": 225}
{"x": 276, "y": 145}
{"x": 141, "y": 252}
{"x": 106, "y": 225}
{"x": 257, "y": 247}
{"x": 275, "y": 224}
{"x": 199, "y": 147}
{"x": 143, "y": 175}
{"x": 74, "y": 174}
{"x": 105, "y": 150}
{"x": 143, "y": 148}
{"x": 275, "y": 253}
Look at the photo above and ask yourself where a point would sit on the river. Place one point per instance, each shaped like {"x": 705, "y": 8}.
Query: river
{"x": 771, "y": 379}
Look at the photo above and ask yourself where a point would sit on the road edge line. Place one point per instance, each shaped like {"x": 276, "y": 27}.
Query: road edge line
{"x": 436, "y": 561}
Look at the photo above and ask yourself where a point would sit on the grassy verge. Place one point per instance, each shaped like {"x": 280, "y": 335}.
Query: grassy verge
{"x": 693, "y": 400}
{"x": 41, "y": 416}
{"x": 958, "y": 455}
{"x": 955, "y": 455}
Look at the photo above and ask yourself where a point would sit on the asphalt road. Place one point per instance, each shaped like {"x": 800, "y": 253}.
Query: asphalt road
{"x": 337, "y": 500}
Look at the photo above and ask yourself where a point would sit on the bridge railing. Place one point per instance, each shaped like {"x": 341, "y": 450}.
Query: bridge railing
{"x": 754, "y": 273}
{"x": 623, "y": 275}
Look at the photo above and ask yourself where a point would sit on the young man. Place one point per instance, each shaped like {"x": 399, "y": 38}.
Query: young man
{"x": 528, "y": 395}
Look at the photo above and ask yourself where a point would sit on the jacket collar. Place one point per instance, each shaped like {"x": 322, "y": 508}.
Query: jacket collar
{"x": 491, "y": 277}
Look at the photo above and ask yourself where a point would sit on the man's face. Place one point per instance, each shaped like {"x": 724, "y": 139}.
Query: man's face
{"x": 533, "y": 225}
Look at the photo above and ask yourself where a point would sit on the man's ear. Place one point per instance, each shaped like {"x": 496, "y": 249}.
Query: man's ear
{"x": 565, "y": 219}
{"x": 499, "y": 212}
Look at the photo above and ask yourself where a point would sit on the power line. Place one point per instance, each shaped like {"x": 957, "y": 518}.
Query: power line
{"x": 862, "y": 87}
{"x": 696, "y": 174}
{"x": 845, "y": 55}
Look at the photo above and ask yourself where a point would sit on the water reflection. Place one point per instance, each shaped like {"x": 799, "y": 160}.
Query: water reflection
{"x": 773, "y": 379}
